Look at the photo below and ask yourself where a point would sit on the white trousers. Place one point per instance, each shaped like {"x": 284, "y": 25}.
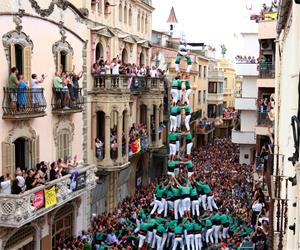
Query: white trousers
{"x": 225, "y": 234}
{"x": 149, "y": 237}
{"x": 153, "y": 239}
{"x": 174, "y": 93}
{"x": 178, "y": 117}
{"x": 173, "y": 120}
{"x": 188, "y": 69}
{"x": 142, "y": 239}
{"x": 189, "y": 239}
{"x": 179, "y": 94}
{"x": 189, "y": 148}
{"x": 209, "y": 236}
{"x": 159, "y": 206}
{"x": 177, "y": 209}
{"x": 198, "y": 242}
{"x": 217, "y": 229}
{"x": 171, "y": 205}
{"x": 187, "y": 96}
{"x": 176, "y": 241}
{"x": 195, "y": 208}
{"x": 170, "y": 239}
{"x": 177, "y": 146}
{"x": 158, "y": 242}
{"x": 172, "y": 148}
{"x": 187, "y": 122}
{"x": 186, "y": 204}
{"x": 203, "y": 201}
{"x": 211, "y": 203}
{"x": 165, "y": 206}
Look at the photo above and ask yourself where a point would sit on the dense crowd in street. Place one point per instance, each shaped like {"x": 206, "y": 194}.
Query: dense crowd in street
{"x": 229, "y": 208}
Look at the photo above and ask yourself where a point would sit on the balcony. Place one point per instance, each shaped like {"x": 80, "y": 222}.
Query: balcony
{"x": 264, "y": 124}
{"x": 18, "y": 210}
{"x": 246, "y": 103}
{"x": 23, "y": 104}
{"x": 126, "y": 84}
{"x": 216, "y": 75}
{"x": 66, "y": 101}
{"x": 267, "y": 29}
{"x": 267, "y": 71}
{"x": 246, "y": 69}
{"x": 215, "y": 98}
{"x": 241, "y": 137}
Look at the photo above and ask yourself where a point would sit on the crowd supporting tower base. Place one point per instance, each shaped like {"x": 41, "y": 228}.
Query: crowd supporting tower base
{"x": 226, "y": 208}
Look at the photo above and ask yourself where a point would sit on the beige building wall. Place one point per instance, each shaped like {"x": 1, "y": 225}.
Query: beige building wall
{"x": 202, "y": 85}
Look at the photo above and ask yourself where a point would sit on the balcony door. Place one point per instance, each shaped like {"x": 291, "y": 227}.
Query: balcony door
{"x": 22, "y": 153}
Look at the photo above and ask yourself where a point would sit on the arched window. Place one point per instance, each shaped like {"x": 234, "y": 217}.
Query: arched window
{"x": 138, "y": 22}
{"x": 120, "y": 12}
{"x": 124, "y": 56}
{"x": 63, "y": 53}
{"x": 99, "y": 52}
{"x": 63, "y": 138}
{"x": 130, "y": 17}
{"x": 125, "y": 14}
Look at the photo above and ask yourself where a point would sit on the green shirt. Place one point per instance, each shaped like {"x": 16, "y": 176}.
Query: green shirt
{"x": 178, "y": 229}
{"x": 187, "y": 84}
{"x": 189, "y": 226}
{"x": 13, "y": 81}
{"x": 187, "y": 109}
{"x": 223, "y": 218}
{"x": 206, "y": 188}
{"x": 197, "y": 227}
{"x": 175, "y": 83}
{"x": 184, "y": 190}
{"x": 57, "y": 82}
{"x": 173, "y": 137}
{"x": 189, "y": 164}
{"x": 160, "y": 192}
{"x": 161, "y": 229}
{"x": 176, "y": 192}
{"x": 194, "y": 192}
{"x": 188, "y": 136}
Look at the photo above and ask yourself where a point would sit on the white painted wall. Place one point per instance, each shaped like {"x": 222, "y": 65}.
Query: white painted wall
{"x": 249, "y": 87}
{"x": 248, "y": 120}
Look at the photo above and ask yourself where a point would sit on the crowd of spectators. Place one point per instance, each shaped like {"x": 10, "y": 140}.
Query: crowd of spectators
{"x": 233, "y": 188}
{"x": 246, "y": 59}
{"x": 43, "y": 172}
{"x": 117, "y": 67}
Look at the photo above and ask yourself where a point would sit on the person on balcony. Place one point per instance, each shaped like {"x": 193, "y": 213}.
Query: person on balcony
{"x": 37, "y": 95}
{"x": 67, "y": 89}
{"x": 15, "y": 188}
{"x": 12, "y": 89}
{"x": 99, "y": 149}
{"x": 5, "y": 184}
{"x": 153, "y": 72}
{"x": 115, "y": 66}
{"x": 75, "y": 83}
{"x": 21, "y": 93}
{"x": 58, "y": 86}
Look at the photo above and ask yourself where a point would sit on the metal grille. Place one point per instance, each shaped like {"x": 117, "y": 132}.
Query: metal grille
{"x": 19, "y": 236}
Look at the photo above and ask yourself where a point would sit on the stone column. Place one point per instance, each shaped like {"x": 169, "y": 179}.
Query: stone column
{"x": 149, "y": 124}
{"x": 156, "y": 125}
{"x": 107, "y": 139}
{"x": 119, "y": 136}
{"x": 126, "y": 130}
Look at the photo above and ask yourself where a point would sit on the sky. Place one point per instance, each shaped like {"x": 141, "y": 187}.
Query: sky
{"x": 213, "y": 22}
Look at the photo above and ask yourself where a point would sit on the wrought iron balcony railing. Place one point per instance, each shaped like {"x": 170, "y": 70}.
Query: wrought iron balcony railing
{"x": 68, "y": 100}
{"x": 266, "y": 71}
{"x": 21, "y": 104}
{"x": 18, "y": 210}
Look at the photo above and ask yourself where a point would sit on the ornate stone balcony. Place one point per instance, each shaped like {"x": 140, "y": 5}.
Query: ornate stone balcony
{"x": 18, "y": 210}
{"x": 126, "y": 84}
{"x": 23, "y": 104}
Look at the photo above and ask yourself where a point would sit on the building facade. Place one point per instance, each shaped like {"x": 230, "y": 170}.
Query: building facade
{"x": 119, "y": 103}
{"x": 285, "y": 176}
{"x": 36, "y": 127}
{"x": 244, "y": 131}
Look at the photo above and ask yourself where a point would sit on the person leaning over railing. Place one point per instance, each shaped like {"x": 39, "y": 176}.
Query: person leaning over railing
{"x": 12, "y": 89}
{"x": 21, "y": 93}
{"x": 37, "y": 95}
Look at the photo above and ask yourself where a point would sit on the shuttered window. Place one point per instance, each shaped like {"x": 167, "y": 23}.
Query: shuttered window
{"x": 8, "y": 158}
{"x": 27, "y": 64}
{"x": 64, "y": 147}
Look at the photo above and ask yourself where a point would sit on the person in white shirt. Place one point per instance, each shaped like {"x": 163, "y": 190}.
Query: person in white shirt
{"x": 5, "y": 183}
{"x": 115, "y": 66}
{"x": 37, "y": 97}
{"x": 153, "y": 72}
{"x": 21, "y": 180}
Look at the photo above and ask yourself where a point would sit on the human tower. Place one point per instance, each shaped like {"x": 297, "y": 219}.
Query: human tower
{"x": 184, "y": 213}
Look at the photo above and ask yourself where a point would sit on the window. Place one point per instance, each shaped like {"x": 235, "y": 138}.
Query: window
{"x": 142, "y": 24}
{"x": 212, "y": 110}
{"x": 138, "y": 22}
{"x": 130, "y": 17}
{"x": 125, "y": 14}
{"x": 64, "y": 144}
{"x": 199, "y": 96}
{"x": 220, "y": 87}
{"x": 204, "y": 71}
{"x": 212, "y": 87}
{"x": 200, "y": 71}
{"x": 63, "y": 56}
{"x": 120, "y": 12}
{"x": 204, "y": 96}
{"x": 225, "y": 83}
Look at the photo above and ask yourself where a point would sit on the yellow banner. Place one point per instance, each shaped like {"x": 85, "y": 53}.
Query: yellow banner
{"x": 50, "y": 197}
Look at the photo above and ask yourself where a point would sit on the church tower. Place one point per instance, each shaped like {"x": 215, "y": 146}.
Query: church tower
{"x": 172, "y": 21}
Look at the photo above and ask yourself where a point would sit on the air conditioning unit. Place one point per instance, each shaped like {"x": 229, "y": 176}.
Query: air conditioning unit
{"x": 266, "y": 45}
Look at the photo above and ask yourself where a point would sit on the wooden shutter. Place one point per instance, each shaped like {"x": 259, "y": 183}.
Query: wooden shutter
{"x": 8, "y": 158}
{"x": 58, "y": 65}
{"x": 35, "y": 151}
{"x": 69, "y": 62}
{"x": 12, "y": 49}
{"x": 27, "y": 64}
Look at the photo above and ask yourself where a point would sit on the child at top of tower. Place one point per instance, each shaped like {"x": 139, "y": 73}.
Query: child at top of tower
{"x": 183, "y": 52}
